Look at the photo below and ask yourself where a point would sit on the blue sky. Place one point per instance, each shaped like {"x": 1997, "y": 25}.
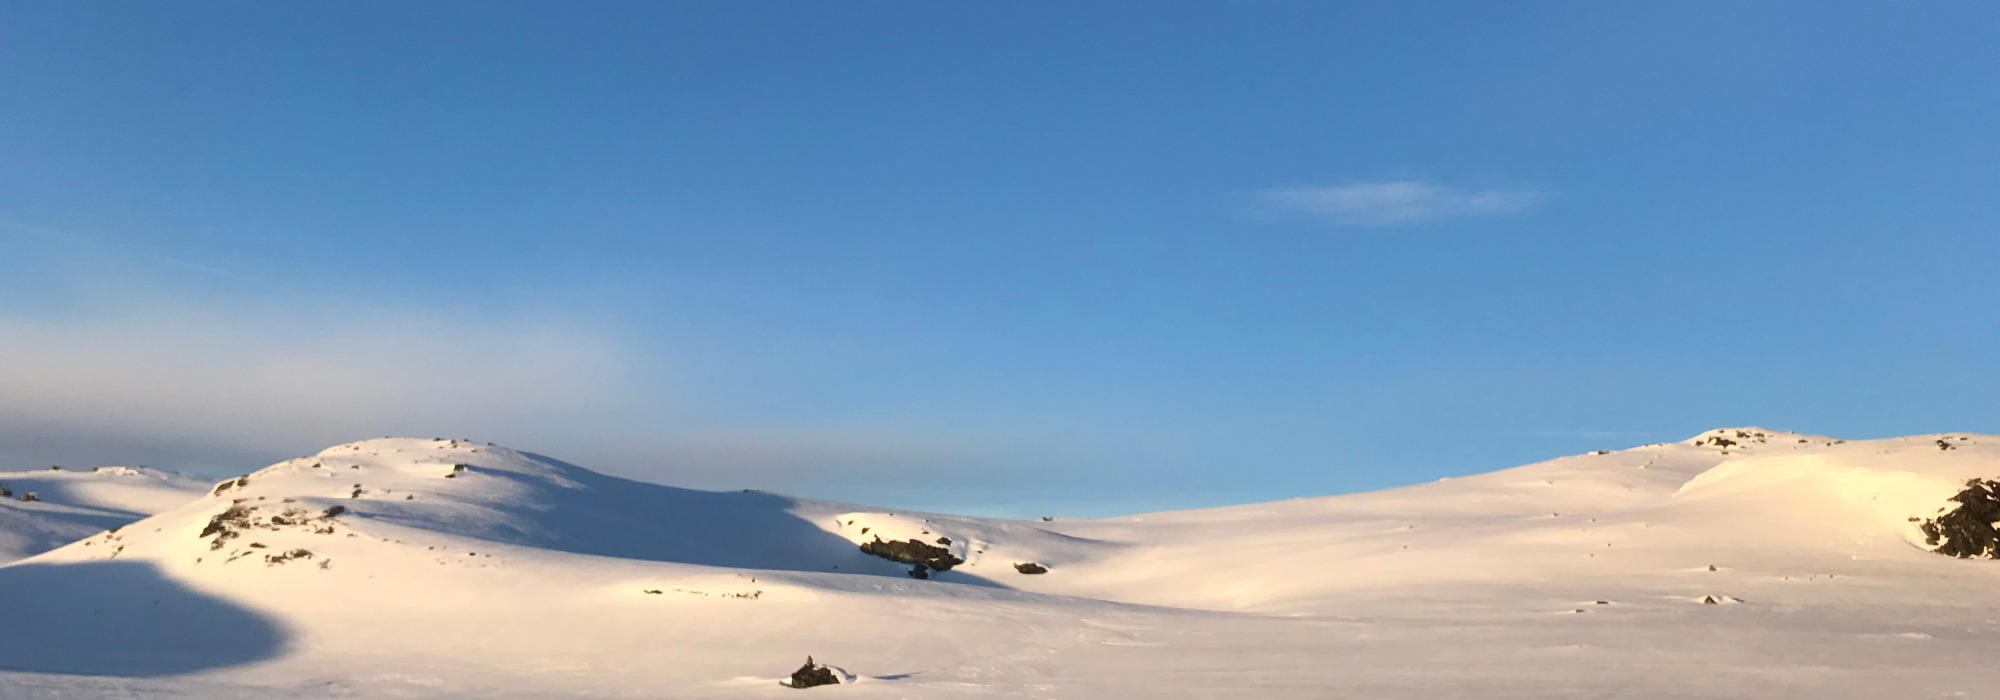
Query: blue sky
{"x": 1085, "y": 258}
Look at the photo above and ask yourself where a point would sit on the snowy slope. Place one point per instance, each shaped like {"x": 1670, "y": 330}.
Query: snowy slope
{"x": 422, "y": 568}
{"x": 71, "y": 505}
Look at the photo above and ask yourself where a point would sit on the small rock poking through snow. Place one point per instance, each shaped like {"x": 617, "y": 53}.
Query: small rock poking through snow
{"x": 813, "y": 674}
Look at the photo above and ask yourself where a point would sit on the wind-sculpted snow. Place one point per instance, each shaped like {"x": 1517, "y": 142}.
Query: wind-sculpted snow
{"x": 1741, "y": 562}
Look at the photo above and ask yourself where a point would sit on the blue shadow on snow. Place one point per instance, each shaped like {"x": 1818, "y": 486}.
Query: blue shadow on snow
{"x": 116, "y": 618}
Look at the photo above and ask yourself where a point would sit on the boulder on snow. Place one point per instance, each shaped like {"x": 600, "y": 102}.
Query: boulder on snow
{"x": 1031, "y": 568}
{"x": 29, "y": 497}
{"x": 1967, "y": 531}
{"x": 813, "y": 674}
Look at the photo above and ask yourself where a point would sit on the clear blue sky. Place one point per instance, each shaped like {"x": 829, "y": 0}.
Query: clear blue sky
{"x": 1084, "y": 258}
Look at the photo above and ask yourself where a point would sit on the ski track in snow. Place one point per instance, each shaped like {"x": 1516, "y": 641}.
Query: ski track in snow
{"x": 447, "y": 568}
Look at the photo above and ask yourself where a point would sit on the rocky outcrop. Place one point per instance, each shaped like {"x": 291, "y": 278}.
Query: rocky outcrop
{"x": 229, "y": 484}
{"x": 242, "y": 516}
{"x": 913, "y": 552}
{"x": 1967, "y": 531}
{"x": 1031, "y": 568}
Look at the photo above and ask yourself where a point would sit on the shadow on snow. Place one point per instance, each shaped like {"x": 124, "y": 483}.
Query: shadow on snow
{"x": 584, "y": 512}
{"x": 122, "y": 619}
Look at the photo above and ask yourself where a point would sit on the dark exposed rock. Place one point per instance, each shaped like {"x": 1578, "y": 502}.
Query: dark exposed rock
{"x": 4, "y": 493}
{"x": 226, "y": 525}
{"x": 270, "y": 559}
{"x": 230, "y": 483}
{"x": 1943, "y": 445}
{"x": 1710, "y": 600}
{"x": 919, "y": 571}
{"x": 913, "y": 552}
{"x": 813, "y": 674}
{"x": 29, "y": 497}
{"x": 1031, "y": 568}
{"x": 334, "y": 511}
{"x": 944, "y": 540}
{"x": 1967, "y": 531}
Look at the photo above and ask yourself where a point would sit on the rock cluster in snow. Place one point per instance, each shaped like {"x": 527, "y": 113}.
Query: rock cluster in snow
{"x": 1968, "y": 530}
{"x": 241, "y": 517}
{"x": 923, "y": 556}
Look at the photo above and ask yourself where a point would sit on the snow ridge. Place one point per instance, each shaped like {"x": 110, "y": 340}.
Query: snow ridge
{"x": 1779, "y": 563}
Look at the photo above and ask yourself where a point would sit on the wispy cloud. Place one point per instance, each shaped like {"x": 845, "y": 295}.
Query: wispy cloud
{"x": 1397, "y": 202}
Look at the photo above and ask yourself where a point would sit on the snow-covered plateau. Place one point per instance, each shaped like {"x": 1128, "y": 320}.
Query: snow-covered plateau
{"x": 1740, "y": 563}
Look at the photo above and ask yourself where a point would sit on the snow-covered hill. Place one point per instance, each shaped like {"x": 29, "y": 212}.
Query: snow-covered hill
{"x": 1738, "y": 563}
{"x": 44, "y": 509}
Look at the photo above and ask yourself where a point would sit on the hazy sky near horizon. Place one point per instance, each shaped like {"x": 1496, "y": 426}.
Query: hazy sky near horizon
{"x": 1083, "y": 258}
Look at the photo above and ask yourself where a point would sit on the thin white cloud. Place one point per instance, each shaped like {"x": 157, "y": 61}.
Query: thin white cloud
{"x": 1397, "y": 202}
